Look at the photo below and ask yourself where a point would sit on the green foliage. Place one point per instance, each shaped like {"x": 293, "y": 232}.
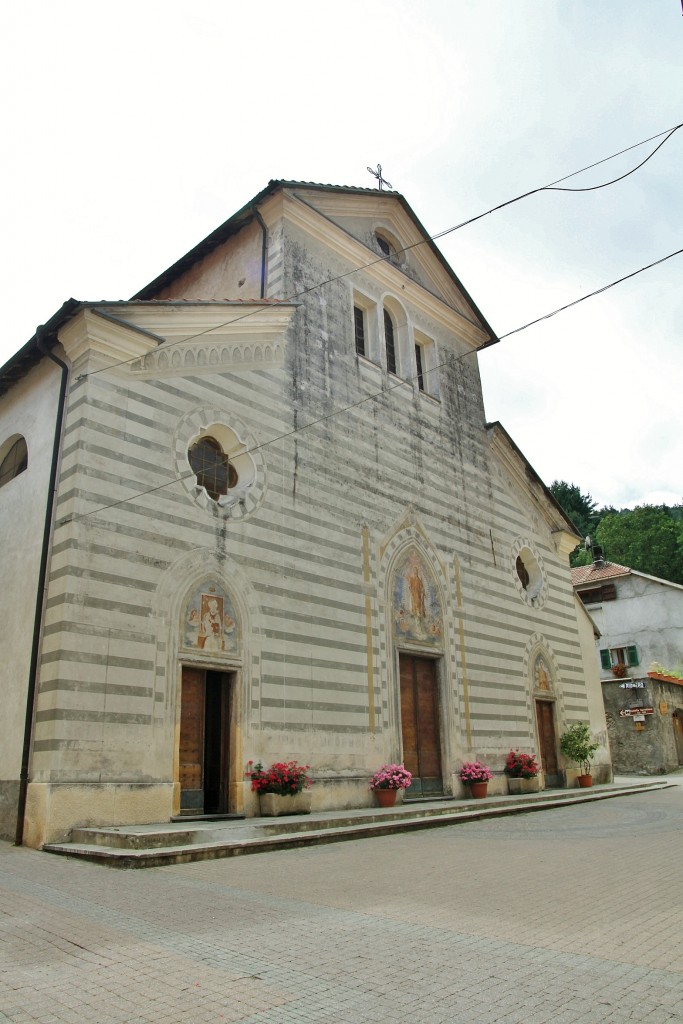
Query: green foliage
{"x": 582, "y": 510}
{"x": 576, "y": 744}
{"x": 647, "y": 538}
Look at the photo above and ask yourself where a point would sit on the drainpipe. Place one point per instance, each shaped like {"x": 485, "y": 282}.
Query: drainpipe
{"x": 264, "y": 247}
{"x": 40, "y": 589}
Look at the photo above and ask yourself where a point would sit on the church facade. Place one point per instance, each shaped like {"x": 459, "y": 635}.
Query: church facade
{"x": 282, "y": 529}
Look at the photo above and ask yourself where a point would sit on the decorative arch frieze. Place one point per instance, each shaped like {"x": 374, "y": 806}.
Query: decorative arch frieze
{"x": 199, "y": 357}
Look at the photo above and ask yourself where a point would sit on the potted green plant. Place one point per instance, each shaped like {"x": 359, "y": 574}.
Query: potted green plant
{"x": 522, "y": 772}
{"x": 387, "y": 781}
{"x": 578, "y": 745}
{"x": 284, "y": 788}
{"x": 477, "y": 776}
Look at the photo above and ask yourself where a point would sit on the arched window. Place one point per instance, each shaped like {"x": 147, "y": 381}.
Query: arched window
{"x": 390, "y": 341}
{"x": 14, "y": 462}
{"x": 214, "y": 470}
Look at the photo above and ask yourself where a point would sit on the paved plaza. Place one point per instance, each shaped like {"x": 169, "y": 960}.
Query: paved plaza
{"x": 560, "y": 916}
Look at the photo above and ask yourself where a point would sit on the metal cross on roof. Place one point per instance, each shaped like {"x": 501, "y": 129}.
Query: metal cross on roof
{"x": 378, "y": 174}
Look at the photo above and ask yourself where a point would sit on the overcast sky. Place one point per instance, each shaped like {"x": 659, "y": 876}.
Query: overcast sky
{"x": 129, "y": 131}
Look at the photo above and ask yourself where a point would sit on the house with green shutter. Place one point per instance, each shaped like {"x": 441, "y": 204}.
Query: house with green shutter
{"x": 639, "y": 627}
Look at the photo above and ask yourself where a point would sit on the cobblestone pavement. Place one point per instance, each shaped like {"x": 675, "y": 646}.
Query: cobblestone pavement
{"x": 562, "y": 916}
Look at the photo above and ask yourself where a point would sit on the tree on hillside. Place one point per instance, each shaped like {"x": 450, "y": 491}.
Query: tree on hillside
{"x": 646, "y": 538}
{"x": 581, "y": 509}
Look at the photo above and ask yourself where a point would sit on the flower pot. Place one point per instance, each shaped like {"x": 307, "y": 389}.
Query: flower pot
{"x": 585, "y": 781}
{"x": 521, "y": 786}
{"x": 478, "y": 790}
{"x": 273, "y": 805}
{"x": 385, "y": 797}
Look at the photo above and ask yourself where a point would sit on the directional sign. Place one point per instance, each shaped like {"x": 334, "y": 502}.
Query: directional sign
{"x": 637, "y": 685}
{"x": 628, "y": 712}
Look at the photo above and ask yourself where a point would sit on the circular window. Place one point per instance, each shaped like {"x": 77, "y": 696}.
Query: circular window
{"x": 215, "y": 472}
{"x": 221, "y": 467}
{"x": 530, "y": 576}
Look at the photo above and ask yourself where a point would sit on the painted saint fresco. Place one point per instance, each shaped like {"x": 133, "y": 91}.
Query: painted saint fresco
{"x": 210, "y": 622}
{"x": 416, "y": 606}
{"x": 541, "y": 674}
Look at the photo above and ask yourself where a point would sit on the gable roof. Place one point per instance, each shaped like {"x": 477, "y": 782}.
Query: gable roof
{"x": 29, "y": 355}
{"x": 247, "y": 213}
{"x": 594, "y": 573}
{"x": 585, "y": 574}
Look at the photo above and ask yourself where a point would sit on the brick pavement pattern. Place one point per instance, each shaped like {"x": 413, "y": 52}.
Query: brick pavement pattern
{"x": 568, "y": 916}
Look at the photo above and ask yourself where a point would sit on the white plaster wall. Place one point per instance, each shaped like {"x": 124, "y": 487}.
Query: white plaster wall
{"x": 646, "y": 613}
{"x": 232, "y": 270}
{"x": 29, "y": 408}
{"x": 596, "y": 706}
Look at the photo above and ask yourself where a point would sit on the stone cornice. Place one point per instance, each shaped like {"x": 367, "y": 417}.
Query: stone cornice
{"x": 117, "y": 341}
{"x": 180, "y": 338}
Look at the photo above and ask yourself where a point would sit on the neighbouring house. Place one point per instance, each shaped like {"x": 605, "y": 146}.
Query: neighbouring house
{"x": 256, "y": 512}
{"x": 639, "y": 619}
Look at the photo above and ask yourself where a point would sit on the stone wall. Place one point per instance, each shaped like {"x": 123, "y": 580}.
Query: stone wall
{"x": 651, "y": 750}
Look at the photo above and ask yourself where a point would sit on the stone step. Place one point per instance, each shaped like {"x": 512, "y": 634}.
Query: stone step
{"x": 156, "y": 845}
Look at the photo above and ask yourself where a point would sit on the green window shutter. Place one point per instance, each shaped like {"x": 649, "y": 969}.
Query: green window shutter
{"x": 632, "y": 655}
{"x": 605, "y": 659}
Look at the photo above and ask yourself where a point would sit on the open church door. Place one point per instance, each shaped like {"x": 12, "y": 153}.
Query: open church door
{"x": 204, "y": 742}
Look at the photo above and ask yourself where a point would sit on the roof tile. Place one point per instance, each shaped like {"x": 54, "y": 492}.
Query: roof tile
{"x": 593, "y": 573}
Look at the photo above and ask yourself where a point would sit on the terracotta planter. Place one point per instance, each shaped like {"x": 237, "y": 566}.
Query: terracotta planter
{"x": 478, "y": 790}
{"x": 273, "y": 805}
{"x": 585, "y": 781}
{"x": 385, "y": 797}
{"x": 520, "y": 786}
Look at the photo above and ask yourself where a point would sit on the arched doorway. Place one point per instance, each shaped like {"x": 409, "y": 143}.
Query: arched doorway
{"x": 418, "y": 635}
{"x": 544, "y": 700}
{"x": 210, "y": 649}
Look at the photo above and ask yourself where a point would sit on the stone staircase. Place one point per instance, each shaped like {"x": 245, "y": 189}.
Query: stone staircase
{"x": 177, "y": 842}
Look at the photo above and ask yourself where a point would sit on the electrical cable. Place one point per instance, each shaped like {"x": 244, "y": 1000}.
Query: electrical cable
{"x": 384, "y": 391}
{"x": 430, "y": 238}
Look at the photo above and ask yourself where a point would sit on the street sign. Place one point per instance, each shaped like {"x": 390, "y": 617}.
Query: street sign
{"x": 637, "y": 685}
{"x": 628, "y": 712}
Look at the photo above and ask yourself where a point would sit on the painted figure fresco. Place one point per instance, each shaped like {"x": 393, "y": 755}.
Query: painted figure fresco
{"x": 541, "y": 674}
{"x": 210, "y": 623}
{"x": 416, "y": 605}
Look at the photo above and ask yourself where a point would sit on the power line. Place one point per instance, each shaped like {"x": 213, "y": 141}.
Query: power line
{"x": 384, "y": 391}
{"x": 441, "y": 234}
{"x": 590, "y": 295}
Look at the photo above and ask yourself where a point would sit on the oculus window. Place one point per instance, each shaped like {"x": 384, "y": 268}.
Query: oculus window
{"x": 213, "y": 468}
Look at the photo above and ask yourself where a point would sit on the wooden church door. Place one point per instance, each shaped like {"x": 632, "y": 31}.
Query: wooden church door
{"x": 547, "y": 742}
{"x": 420, "y": 724}
{"x": 204, "y": 738}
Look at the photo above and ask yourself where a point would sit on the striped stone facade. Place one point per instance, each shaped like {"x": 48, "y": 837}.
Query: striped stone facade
{"x": 352, "y": 473}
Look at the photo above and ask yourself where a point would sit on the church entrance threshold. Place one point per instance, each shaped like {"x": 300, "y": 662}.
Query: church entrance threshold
{"x": 420, "y": 726}
{"x": 204, "y": 742}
